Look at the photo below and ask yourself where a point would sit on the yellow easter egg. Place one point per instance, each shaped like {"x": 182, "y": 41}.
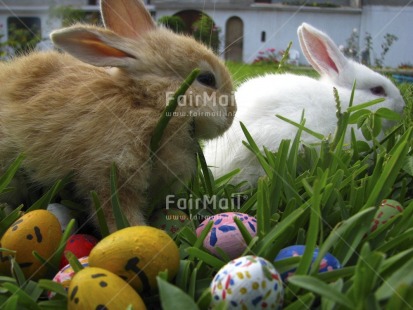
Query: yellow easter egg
{"x": 97, "y": 288}
{"x": 137, "y": 254}
{"x": 38, "y": 231}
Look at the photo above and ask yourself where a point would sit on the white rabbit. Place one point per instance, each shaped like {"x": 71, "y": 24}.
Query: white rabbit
{"x": 260, "y": 99}
{"x": 99, "y": 103}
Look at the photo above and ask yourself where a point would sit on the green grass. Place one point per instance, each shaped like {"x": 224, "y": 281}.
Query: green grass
{"x": 323, "y": 196}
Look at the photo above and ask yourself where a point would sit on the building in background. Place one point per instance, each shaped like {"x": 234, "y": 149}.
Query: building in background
{"x": 248, "y": 27}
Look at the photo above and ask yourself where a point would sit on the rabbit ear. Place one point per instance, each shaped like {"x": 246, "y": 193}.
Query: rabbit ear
{"x": 321, "y": 52}
{"x": 127, "y": 18}
{"x": 98, "y": 47}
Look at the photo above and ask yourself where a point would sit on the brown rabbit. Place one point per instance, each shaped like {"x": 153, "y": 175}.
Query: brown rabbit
{"x": 82, "y": 112}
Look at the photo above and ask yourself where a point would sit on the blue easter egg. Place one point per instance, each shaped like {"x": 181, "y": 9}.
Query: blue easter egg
{"x": 328, "y": 263}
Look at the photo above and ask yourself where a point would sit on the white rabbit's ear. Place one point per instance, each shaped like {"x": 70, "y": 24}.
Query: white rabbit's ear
{"x": 321, "y": 52}
{"x": 127, "y": 18}
{"x": 98, "y": 47}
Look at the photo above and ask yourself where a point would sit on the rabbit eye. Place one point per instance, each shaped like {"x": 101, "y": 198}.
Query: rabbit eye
{"x": 378, "y": 91}
{"x": 207, "y": 79}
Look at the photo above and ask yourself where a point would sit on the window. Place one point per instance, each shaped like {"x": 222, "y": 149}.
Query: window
{"x": 23, "y": 33}
{"x": 263, "y": 36}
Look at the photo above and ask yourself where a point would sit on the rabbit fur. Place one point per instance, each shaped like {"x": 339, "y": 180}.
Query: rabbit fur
{"x": 260, "y": 99}
{"x": 99, "y": 102}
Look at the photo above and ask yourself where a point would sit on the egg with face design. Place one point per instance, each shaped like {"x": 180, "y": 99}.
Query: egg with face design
{"x": 39, "y": 231}
{"x": 97, "y": 288}
{"x": 137, "y": 254}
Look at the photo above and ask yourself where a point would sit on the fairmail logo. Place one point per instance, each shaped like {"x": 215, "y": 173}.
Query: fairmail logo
{"x": 212, "y": 202}
{"x": 190, "y": 99}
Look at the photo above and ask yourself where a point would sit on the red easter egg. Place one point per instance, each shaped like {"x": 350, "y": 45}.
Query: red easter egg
{"x": 80, "y": 245}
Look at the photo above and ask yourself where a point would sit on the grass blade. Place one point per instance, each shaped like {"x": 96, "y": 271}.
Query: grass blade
{"x": 173, "y": 298}
{"x": 103, "y": 226}
{"x": 404, "y": 275}
{"x": 205, "y": 257}
{"x": 120, "y": 220}
{"x": 168, "y": 112}
{"x": 7, "y": 176}
{"x": 319, "y": 287}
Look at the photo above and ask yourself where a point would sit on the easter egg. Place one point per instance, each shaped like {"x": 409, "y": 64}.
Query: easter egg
{"x": 225, "y": 234}
{"x": 386, "y": 211}
{"x": 65, "y": 275}
{"x": 97, "y": 288}
{"x": 80, "y": 245}
{"x": 328, "y": 262}
{"x": 38, "y": 231}
{"x": 248, "y": 282}
{"x": 137, "y": 254}
{"x": 170, "y": 220}
{"x": 63, "y": 214}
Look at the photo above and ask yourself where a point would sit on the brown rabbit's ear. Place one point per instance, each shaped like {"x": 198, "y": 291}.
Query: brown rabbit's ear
{"x": 127, "y": 18}
{"x": 98, "y": 47}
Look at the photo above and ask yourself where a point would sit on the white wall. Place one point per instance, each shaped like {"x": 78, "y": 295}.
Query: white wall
{"x": 379, "y": 20}
{"x": 281, "y": 26}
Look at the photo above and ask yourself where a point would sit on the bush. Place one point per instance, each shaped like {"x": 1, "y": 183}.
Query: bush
{"x": 175, "y": 23}
{"x": 70, "y": 15}
{"x": 2, "y": 47}
{"x": 205, "y": 31}
{"x": 352, "y": 48}
{"x": 268, "y": 57}
{"x": 23, "y": 40}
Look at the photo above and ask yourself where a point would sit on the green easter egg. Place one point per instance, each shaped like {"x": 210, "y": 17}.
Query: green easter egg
{"x": 386, "y": 211}
{"x": 170, "y": 220}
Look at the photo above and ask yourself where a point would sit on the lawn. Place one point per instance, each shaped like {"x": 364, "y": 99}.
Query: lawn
{"x": 326, "y": 197}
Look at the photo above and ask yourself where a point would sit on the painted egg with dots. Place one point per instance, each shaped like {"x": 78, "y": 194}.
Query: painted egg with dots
{"x": 137, "y": 254}
{"x": 97, "y": 288}
{"x": 80, "y": 245}
{"x": 225, "y": 233}
{"x": 65, "y": 275}
{"x": 328, "y": 262}
{"x": 170, "y": 220}
{"x": 248, "y": 282}
{"x": 39, "y": 231}
{"x": 386, "y": 211}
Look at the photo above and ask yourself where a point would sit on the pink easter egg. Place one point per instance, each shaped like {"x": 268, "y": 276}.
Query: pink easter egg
{"x": 65, "y": 275}
{"x": 225, "y": 234}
